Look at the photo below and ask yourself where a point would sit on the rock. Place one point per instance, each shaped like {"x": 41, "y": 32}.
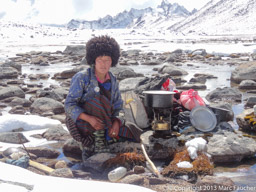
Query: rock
{"x": 60, "y": 117}
{"x": 245, "y": 71}
{"x": 12, "y": 91}
{"x": 172, "y": 70}
{"x": 13, "y": 137}
{"x": 173, "y": 56}
{"x": 230, "y": 147}
{"x": 95, "y": 162}
{"x": 213, "y": 183}
{"x": 38, "y": 76}
{"x": 129, "y": 84}
{"x": 247, "y": 84}
{"x": 138, "y": 169}
{"x": 201, "y": 52}
{"x": 132, "y": 62}
{"x": 42, "y": 105}
{"x": 124, "y": 147}
{"x": 159, "y": 148}
{"x": 44, "y": 152}
{"x": 124, "y": 72}
{"x": 57, "y": 134}
{"x": 75, "y": 50}
{"x": 224, "y": 94}
{"x": 49, "y": 94}
{"x": 21, "y": 102}
{"x": 71, "y": 72}
{"x": 17, "y": 110}
{"x": 62, "y": 91}
{"x": 8, "y": 73}
{"x": 12, "y": 64}
{"x": 131, "y": 53}
{"x": 60, "y": 164}
{"x": 63, "y": 172}
{"x": 242, "y": 123}
{"x": 251, "y": 101}
{"x": 81, "y": 174}
{"x": 72, "y": 147}
{"x": 39, "y": 60}
{"x": 199, "y": 79}
{"x": 133, "y": 179}
{"x": 192, "y": 86}
{"x": 151, "y": 62}
{"x": 207, "y": 76}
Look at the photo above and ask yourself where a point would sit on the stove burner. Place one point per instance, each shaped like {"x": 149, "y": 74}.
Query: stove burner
{"x": 162, "y": 119}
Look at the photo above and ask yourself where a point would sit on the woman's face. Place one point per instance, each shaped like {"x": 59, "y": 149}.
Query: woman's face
{"x": 103, "y": 64}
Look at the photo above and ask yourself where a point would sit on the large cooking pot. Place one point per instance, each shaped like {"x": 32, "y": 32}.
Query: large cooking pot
{"x": 158, "y": 98}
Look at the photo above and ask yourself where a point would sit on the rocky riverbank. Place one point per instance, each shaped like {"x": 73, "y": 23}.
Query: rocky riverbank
{"x": 31, "y": 93}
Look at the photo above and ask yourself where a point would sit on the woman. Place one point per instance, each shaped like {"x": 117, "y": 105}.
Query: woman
{"x": 94, "y": 107}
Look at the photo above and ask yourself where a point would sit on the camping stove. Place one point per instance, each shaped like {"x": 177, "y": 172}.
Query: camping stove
{"x": 162, "y": 120}
{"x": 161, "y": 103}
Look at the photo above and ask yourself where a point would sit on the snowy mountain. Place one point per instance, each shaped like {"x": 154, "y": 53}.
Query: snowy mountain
{"x": 164, "y": 15}
{"x": 220, "y": 17}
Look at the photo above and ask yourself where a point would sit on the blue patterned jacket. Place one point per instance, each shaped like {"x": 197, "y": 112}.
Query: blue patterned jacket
{"x": 84, "y": 86}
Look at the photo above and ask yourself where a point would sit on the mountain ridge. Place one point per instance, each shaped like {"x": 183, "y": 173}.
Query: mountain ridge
{"x": 130, "y": 19}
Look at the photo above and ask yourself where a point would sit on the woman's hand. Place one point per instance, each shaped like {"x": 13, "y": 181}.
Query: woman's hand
{"x": 113, "y": 132}
{"x": 96, "y": 123}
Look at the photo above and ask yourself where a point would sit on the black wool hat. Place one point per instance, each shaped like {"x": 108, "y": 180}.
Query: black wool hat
{"x": 102, "y": 46}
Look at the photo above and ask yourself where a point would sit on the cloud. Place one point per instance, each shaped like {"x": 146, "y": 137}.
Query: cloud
{"x": 82, "y": 6}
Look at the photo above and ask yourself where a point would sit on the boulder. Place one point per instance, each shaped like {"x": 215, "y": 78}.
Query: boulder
{"x": 71, "y": 72}
{"x": 229, "y": 147}
{"x": 72, "y": 148}
{"x": 49, "y": 94}
{"x": 42, "y": 105}
{"x": 95, "y": 162}
{"x": 75, "y": 50}
{"x": 124, "y": 72}
{"x": 195, "y": 86}
{"x": 247, "y": 84}
{"x": 224, "y": 94}
{"x": 43, "y": 152}
{"x": 20, "y": 101}
{"x": 62, "y": 172}
{"x": 213, "y": 183}
{"x": 13, "y": 137}
{"x": 57, "y": 134}
{"x": 12, "y": 64}
{"x": 151, "y": 62}
{"x": 129, "y": 84}
{"x": 242, "y": 123}
{"x": 8, "y": 73}
{"x": 12, "y": 91}
{"x": 245, "y": 71}
{"x": 172, "y": 70}
{"x": 251, "y": 101}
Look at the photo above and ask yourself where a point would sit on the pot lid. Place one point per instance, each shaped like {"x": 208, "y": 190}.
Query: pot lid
{"x": 203, "y": 119}
{"x": 159, "y": 92}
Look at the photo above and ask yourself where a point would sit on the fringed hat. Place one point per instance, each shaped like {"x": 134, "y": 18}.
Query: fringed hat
{"x": 102, "y": 46}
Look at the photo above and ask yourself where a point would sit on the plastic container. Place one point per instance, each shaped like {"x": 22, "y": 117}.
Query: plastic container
{"x": 117, "y": 174}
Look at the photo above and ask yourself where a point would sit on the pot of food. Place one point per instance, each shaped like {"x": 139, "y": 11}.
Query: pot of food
{"x": 158, "y": 99}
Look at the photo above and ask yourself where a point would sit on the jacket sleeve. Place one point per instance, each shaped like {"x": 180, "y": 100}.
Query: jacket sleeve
{"x": 118, "y": 111}
{"x": 76, "y": 91}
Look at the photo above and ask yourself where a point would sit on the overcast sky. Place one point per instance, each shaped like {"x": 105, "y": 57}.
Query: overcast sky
{"x": 62, "y": 11}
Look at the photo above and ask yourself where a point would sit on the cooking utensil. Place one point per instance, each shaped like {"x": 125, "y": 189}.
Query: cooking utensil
{"x": 203, "y": 119}
{"x": 158, "y": 99}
